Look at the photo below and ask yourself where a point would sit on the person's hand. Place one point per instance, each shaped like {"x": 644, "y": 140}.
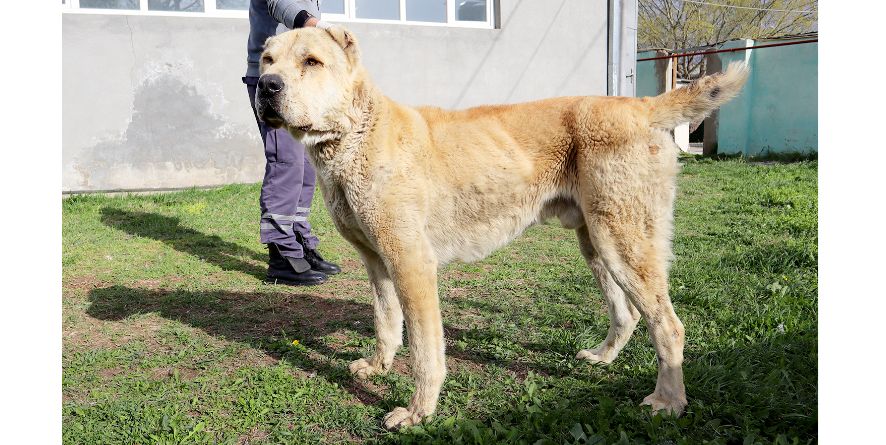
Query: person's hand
{"x": 313, "y": 21}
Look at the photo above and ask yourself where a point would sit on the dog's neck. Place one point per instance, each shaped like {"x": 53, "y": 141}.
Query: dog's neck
{"x": 329, "y": 149}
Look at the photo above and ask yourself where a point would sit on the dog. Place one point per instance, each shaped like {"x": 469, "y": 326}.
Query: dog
{"x": 415, "y": 188}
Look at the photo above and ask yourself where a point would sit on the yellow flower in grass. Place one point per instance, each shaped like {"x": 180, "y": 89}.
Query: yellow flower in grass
{"x": 294, "y": 342}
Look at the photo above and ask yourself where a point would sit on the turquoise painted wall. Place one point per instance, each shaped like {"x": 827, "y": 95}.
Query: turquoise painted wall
{"x": 777, "y": 111}
{"x": 784, "y": 113}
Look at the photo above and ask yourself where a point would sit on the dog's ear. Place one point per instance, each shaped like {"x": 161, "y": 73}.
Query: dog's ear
{"x": 346, "y": 41}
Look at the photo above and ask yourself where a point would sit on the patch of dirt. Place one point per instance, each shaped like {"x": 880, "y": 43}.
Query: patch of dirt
{"x": 338, "y": 436}
{"x": 82, "y": 282}
{"x": 401, "y": 366}
{"x": 366, "y": 392}
{"x": 249, "y": 357}
{"x": 455, "y": 293}
{"x": 92, "y": 333}
{"x": 253, "y": 436}
{"x": 110, "y": 373}
{"x": 454, "y": 363}
{"x": 351, "y": 264}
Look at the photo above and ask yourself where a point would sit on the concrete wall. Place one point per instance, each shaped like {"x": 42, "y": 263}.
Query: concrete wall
{"x": 157, "y": 102}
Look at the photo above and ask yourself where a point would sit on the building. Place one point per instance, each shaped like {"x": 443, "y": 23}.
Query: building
{"x": 153, "y": 99}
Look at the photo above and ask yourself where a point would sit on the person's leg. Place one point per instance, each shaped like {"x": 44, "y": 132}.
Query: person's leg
{"x": 305, "y": 197}
{"x": 279, "y": 193}
{"x": 281, "y": 187}
{"x": 303, "y": 228}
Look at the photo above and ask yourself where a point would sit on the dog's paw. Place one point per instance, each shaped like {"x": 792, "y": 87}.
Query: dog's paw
{"x": 662, "y": 404}
{"x": 594, "y": 356}
{"x": 401, "y": 417}
{"x": 362, "y": 369}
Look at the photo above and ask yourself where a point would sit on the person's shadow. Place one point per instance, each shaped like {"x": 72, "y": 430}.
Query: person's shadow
{"x": 168, "y": 229}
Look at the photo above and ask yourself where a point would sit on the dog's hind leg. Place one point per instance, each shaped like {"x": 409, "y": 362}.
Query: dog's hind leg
{"x": 637, "y": 261}
{"x": 623, "y": 315}
{"x": 388, "y": 317}
{"x": 629, "y": 215}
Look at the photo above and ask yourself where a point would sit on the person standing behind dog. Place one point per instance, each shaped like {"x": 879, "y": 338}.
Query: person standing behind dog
{"x": 289, "y": 181}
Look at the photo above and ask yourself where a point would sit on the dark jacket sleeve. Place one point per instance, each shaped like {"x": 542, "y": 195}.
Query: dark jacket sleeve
{"x": 293, "y": 13}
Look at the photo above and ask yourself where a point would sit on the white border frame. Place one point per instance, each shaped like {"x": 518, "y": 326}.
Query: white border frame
{"x": 73, "y": 7}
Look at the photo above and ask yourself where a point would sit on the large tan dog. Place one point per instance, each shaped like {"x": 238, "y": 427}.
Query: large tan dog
{"x": 415, "y": 188}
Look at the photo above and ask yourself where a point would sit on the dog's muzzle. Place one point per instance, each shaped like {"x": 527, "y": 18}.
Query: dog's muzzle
{"x": 268, "y": 93}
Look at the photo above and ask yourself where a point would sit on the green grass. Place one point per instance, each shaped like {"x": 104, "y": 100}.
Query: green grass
{"x": 170, "y": 336}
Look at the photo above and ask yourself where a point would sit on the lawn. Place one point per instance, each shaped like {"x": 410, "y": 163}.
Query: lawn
{"x": 170, "y": 336}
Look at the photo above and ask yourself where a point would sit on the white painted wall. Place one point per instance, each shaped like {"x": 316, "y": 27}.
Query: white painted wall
{"x": 157, "y": 102}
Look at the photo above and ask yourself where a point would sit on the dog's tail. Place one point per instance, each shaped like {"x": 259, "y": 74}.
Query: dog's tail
{"x": 695, "y": 101}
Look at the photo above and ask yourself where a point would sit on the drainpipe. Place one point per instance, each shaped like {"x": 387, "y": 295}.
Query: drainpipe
{"x": 614, "y": 57}
{"x": 622, "y": 54}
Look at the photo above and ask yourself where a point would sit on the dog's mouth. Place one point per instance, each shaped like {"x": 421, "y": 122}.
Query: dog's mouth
{"x": 271, "y": 117}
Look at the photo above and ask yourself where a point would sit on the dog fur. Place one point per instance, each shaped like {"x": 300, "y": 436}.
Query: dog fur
{"x": 415, "y": 188}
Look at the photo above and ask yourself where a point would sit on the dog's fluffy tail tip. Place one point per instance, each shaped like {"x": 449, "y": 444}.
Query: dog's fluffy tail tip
{"x": 695, "y": 101}
{"x": 734, "y": 77}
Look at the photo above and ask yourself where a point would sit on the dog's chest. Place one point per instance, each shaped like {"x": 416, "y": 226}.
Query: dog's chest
{"x": 335, "y": 175}
{"x": 339, "y": 201}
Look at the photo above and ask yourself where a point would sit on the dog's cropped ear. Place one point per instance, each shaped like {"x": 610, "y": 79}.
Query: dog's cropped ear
{"x": 346, "y": 41}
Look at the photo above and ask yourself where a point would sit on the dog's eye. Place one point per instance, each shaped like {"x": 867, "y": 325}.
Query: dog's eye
{"x": 310, "y": 61}
{"x": 267, "y": 60}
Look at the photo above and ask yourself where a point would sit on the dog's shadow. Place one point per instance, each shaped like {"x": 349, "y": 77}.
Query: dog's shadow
{"x": 260, "y": 319}
{"x": 257, "y": 319}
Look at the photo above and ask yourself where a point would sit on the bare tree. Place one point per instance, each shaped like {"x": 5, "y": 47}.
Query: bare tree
{"x": 679, "y": 24}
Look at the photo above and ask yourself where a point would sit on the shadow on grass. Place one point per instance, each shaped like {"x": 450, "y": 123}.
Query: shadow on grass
{"x": 766, "y": 388}
{"x": 760, "y": 392}
{"x": 168, "y": 229}
{"x": 262, "y": 319}
{"x": 253, "y": 318}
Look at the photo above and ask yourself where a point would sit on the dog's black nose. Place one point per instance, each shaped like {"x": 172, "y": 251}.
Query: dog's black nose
{"x": 270, "y": 84}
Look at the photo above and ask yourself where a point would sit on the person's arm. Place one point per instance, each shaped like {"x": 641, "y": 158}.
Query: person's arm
{"x": 294, "y": 13}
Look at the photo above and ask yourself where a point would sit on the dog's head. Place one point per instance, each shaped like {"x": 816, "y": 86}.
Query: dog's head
{"x": 308, "y": 78}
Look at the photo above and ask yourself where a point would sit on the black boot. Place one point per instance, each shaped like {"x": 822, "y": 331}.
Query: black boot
{"x": 315, "y": 260}
{"x": 319, "y": 264}
{"x": 291, "y": 271}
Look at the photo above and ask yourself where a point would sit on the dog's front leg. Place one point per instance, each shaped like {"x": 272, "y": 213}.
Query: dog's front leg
{"x": 388, "y": 319}
{"x": 413, "y": 268}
